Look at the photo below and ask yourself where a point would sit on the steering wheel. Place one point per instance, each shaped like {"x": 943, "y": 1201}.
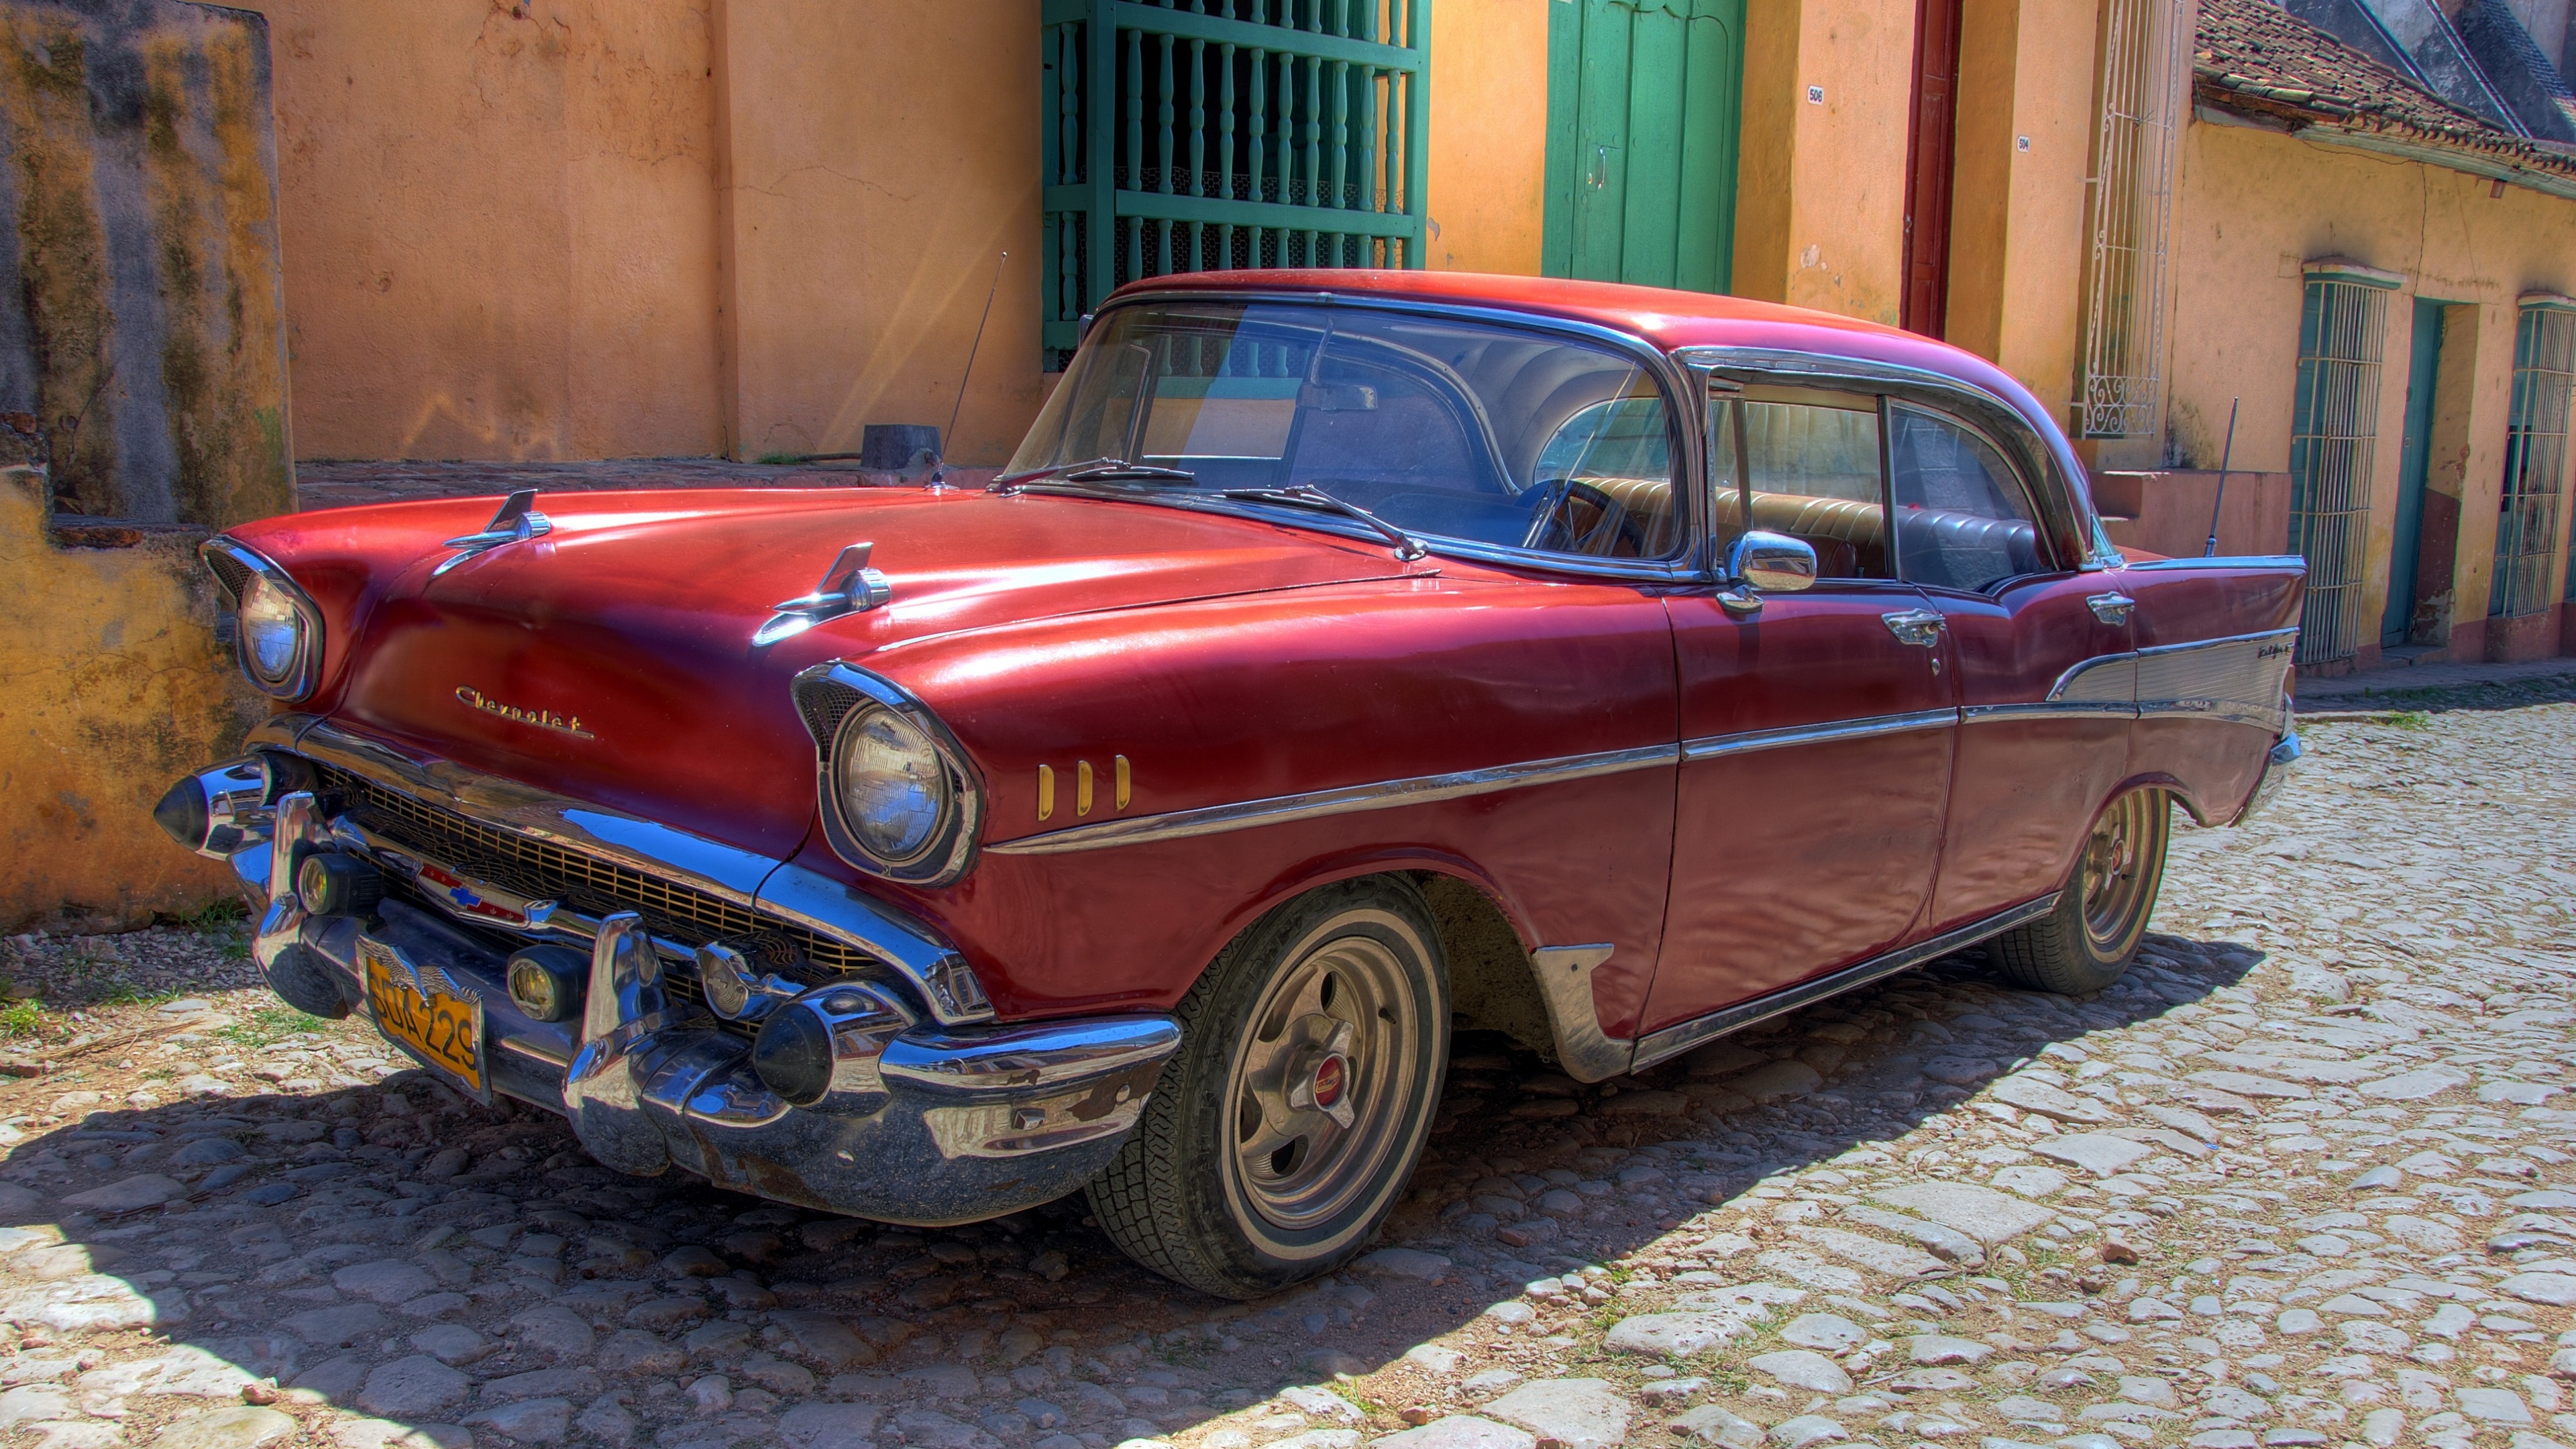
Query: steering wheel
{"x": 1551, "y": 526}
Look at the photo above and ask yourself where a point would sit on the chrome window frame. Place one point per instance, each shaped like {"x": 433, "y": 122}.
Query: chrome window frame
{"x": 1690, "y": 472}
{"x": 2064, "y": 507}
{"x": 951, "y": 853}
{"x": 306, "y": 676}
{"x": 2020, "y": 476}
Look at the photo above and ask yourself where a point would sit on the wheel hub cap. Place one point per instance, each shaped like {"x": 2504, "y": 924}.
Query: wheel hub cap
{"x": 1315, "y": 1079}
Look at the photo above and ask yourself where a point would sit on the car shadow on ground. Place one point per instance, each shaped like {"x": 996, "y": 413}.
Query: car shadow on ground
{"x": 314, "y": 1239}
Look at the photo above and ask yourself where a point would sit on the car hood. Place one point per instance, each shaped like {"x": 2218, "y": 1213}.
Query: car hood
{"x": 611, "y": 659}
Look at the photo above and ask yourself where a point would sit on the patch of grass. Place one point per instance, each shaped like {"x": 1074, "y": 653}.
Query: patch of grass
{"x": 774, "y": 459}
{"x": 270, "y": 1025}
{"x": 1728, "y": 1378}
{"x": 221, "y": 915}
{"x": 21, "y": 1018}
{"x": 122, "y": 994}
{"x": 2410, "y": 719}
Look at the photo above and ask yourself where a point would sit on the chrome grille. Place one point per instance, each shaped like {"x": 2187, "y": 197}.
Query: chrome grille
{"x": 544, "y": 871}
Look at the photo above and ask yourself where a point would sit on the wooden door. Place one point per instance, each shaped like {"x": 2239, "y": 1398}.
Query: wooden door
{"x": 1931, "y": 152}
{"x": 1644, "y": 105}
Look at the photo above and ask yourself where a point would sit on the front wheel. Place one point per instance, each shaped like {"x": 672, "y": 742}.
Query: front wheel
{"x": 1311, "y": 1056}
{"x": 2087, "y": 942}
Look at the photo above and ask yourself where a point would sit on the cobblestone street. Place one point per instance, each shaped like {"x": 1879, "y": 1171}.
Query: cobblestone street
{"x": 2307, "y": 1176}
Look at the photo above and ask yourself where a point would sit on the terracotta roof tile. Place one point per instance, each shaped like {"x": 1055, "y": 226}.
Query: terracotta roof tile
{"x": 2254, "y": 59}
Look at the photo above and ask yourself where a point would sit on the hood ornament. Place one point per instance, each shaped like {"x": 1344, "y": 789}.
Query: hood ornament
{"x": 849, "y": 586}
{"x": 517, "y": 521}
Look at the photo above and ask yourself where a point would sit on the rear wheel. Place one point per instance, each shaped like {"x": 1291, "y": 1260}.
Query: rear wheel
{"x": 2088, "y": 941}
{"x": 1284, "y": 1130}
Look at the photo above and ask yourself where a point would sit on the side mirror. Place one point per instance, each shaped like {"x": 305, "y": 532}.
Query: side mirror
{"x": 1773, "y": 563}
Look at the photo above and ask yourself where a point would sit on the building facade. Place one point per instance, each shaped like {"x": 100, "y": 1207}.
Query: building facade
{"x": 2313, "y": 256}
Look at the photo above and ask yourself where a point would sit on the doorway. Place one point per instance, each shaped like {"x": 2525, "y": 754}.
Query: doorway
{"x": 2415, "y": 457}
{"x": 1644, "y": 107}
{"x": 1931, "y": 154}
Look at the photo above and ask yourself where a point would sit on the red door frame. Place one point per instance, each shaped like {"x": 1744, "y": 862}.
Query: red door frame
{"x": 1931, "y": 150}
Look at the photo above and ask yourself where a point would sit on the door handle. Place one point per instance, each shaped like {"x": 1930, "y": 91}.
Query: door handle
{"x": 2110, "y": 608}
{"x": 1918, "y": 627}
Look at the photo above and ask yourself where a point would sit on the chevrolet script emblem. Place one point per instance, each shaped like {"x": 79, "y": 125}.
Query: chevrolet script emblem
{"x": 543, "y": 719}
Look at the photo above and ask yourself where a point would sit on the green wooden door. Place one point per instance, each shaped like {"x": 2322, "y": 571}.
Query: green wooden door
{"x": 1644, "y": 102}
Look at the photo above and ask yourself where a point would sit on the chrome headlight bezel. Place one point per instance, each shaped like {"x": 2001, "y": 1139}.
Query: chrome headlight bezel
{"x": 241, "y": 571}
{"x": 835, "y": 698}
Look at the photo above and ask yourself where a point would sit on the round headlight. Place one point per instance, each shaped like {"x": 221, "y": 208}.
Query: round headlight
{"x": 272, "y": 634}
{"x": 895, "y": 791}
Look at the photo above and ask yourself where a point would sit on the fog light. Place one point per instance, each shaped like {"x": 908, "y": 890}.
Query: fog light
{"x": 546, "y": 981}
{"x": 331, "y": 883}
{"x": 827, "y": 1041}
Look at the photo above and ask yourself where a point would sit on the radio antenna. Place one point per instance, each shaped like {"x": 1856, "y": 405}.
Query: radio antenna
{"x": 2226, "y": 456}
{"x": 939, "y": 475}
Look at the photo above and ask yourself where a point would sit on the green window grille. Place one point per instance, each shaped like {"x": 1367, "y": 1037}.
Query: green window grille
{"x": 2535, "y": 457}
{"x": 1199, "y": 135}
{"x": 2334, "y": 440}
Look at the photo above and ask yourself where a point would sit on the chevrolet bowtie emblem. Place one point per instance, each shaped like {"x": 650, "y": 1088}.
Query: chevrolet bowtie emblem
{"x": 544, "y": 719}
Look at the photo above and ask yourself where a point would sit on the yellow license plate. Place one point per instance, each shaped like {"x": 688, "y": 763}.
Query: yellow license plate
{"x": 444, "y": 1030}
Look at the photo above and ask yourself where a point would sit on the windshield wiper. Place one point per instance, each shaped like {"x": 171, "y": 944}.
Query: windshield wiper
{"x": 1096, "y": 470}
{"x": 1407, "y": 547}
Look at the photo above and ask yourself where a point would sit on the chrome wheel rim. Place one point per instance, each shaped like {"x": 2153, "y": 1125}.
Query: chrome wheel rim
{"x": 2114, "y": 877}
{"x": 1320, "y": 1083}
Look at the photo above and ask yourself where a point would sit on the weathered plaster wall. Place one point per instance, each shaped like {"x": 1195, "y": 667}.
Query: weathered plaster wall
{"x": 111, "y": 686}
{"x": 2254, "y": 205}
{"x": 1488, "y": 135}
{"x": 869, "y": 206}
{"x": 500, "y": 227}
{"x": 1820, "y": 200}
{"x": 146, "y": 331}
{"x": 2017, "y": 221}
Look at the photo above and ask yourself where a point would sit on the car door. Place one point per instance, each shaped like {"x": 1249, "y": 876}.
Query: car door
{"x": 2042, "y": 741}
{"x": 1817, "y": 730}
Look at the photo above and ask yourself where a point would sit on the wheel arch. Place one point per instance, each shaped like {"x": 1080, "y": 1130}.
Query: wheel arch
{"x": 1486, "y": 941}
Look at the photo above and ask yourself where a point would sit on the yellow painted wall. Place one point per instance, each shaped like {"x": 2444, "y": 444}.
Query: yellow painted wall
{"x": 882, "y": 157}
{"x": 1820, "y": 195}
{"x": 1488, "y": 135}
{"x": 499, "y": 227}
{"x": 2253, "y": 206}
{"x": 115, "y": 688}
{"x": 2017, "y": 218}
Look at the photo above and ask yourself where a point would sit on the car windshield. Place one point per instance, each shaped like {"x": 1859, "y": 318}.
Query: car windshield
{"x": 1439, "y": 426}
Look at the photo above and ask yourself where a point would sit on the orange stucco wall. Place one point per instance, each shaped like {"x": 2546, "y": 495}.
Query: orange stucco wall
{"x": 2017, "y": 215}
{"x": 1820, "y": 194}
{"x": 1488, "y": 135}
{"x": 2253, "y": 207}
{"x": 499, "y": 228}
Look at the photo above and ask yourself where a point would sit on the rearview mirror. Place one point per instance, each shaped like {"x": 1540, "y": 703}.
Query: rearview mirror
{"x": 1773, "y": 563}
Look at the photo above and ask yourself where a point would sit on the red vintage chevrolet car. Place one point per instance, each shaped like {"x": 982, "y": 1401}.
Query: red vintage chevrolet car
{"x": 1344, "y": 657}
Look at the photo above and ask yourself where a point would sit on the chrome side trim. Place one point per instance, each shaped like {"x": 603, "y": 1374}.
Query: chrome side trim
{"x": 747, "y": 879}
{"x": 1709, "y": 747}
{"x": 2104, "y": 679}
{"x": 2228, "y": 679}
{"x": 1565, "y": 983}
{"x": 1384, "y": 795}
{"x": 1672, "y": 1041}
{"x": 2238, "y": 561}
{"x": 2055, "y": 709}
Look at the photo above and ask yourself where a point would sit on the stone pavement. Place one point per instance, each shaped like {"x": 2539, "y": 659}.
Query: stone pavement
{"x": 2306, "y": 1177}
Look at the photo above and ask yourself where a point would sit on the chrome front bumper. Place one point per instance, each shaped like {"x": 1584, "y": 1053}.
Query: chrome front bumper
{"x": 924, "y": 1122}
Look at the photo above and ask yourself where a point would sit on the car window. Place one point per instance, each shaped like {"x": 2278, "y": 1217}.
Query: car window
{"x": 1808, "y": 467}
{"x": 1446, "y": 427}
{"x": 1963, "y": 520}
